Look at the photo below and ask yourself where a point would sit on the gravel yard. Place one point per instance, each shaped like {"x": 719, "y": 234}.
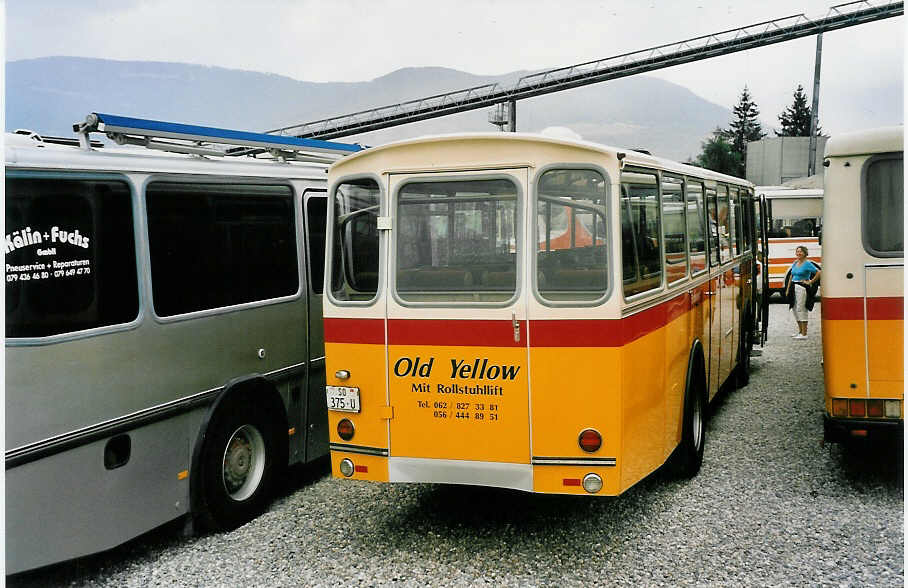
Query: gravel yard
{"x": 771, "y": 506}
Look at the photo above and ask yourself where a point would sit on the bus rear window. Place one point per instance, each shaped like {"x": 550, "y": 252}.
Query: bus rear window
{"x": 217, "y": 245}
{"x": 884, "y": 207}
{"x": 70, "y": 256}
{"x": 355, "y": 246}
{"x": 571, "y": 256}
{"x": 457, "y": 241}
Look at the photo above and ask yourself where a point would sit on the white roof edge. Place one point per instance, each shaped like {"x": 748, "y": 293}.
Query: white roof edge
{"x": 867, "y": 141}
{"x": 25, "y": 153}
{"x": 783, "y": 192}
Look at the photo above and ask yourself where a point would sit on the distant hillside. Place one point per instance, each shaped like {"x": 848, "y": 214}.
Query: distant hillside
{"x": 48, "y": 95}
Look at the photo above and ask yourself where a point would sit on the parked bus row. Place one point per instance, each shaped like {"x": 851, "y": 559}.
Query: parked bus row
{"x": 504, "y": 310}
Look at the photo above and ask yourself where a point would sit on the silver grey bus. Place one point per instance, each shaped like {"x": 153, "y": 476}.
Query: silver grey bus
{"x": 164, "y": 341}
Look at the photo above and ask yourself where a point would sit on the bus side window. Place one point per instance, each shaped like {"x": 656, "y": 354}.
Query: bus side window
{"x": 696, "y": 229}
{"x": 723, "y": 224}
{"x": 640, "y": 194}
{"x": 712, "y": 227}
{"x": 215, "y": 245}
{"x": 74, "y": 236}
{"x": 733, "y": 221}
{"x": 674, "y": 222}
{"x": 316, "y": 221}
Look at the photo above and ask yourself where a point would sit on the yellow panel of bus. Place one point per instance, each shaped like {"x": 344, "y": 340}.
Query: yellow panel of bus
{"x": 525, "y": 312}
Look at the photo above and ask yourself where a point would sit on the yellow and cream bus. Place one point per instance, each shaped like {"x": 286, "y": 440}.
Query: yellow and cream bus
{"x": 863, "y": 284}
{"x": 794, "y": 218}
{"x": 525, "y": 312}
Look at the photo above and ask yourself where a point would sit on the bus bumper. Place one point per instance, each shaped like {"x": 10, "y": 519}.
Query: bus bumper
{"x": 837, "y": 430}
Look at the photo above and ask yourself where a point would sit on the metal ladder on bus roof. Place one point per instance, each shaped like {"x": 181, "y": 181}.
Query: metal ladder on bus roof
{"x": 199, "y": 140}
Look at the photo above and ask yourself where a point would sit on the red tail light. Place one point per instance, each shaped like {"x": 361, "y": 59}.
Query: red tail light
{"x": 874, "y": 408}
{"x": 857, "y": 408}
{"x": 571, "y": 481}
{"x": 590, "y": 440}
{"x": 839, "y": 407}
{"x": 345, "y": 429}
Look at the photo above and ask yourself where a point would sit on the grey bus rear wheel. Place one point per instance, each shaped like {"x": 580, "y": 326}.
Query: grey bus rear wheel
{"x": 238, "y": 465}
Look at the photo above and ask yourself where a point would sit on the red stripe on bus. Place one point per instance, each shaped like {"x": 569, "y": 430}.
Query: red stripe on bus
{"x": 852, "y": 309}
{"x": 606, "y": 332}
{"x": 794, "y": 240}
{"x": 486, "y": 333}
{"x": 352, "y": 330}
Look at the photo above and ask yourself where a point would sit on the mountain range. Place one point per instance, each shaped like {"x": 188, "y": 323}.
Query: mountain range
{"x": 47, "y": 95}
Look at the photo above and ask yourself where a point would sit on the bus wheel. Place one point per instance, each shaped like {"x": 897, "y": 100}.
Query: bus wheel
{"x": 688, "y": 455}
{"x": 745, "y": 345}
{"x": 237, "y": 465}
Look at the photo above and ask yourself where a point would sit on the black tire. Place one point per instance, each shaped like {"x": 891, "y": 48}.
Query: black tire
{"x": 688, "y": 456}
{"x": 238, "y": 465}
{"x": 745, "y": 345}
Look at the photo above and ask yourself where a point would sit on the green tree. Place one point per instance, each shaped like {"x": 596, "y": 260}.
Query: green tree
{"x": 744, "y": 127}
{"x": 796, "y": 118}
{"x": 718, "y": 154}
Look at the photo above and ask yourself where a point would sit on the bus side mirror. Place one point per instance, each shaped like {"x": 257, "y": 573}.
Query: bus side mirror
{"x": 819, "y": 236}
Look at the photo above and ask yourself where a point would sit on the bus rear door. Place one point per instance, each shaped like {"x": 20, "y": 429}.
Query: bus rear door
{"x": 457, "y": 332}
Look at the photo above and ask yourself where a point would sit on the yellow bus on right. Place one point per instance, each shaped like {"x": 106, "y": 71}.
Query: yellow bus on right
{"x": 863, "y": 284}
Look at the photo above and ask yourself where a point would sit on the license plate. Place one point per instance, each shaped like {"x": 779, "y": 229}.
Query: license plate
{"x": 342, "y": 398}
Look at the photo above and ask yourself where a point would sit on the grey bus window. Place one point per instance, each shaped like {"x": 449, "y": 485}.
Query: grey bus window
{"x": 723, "y": 224}
{"x": 571, "y": 254}
{"x": 355, "y": 247}
{"x": 733, "y": 220}
{"x": 674, "y": 228}
{"x": 70, "y": 256}
{"x": 641, "y": 241}
{"x": 696, "y": 227}
{"x": 216, "y": 245}
{"x": 457, "y": 241}
{"x": 712, "y": 227}
{"x": 883, "y": 219}
{"x": 316, "y": 221}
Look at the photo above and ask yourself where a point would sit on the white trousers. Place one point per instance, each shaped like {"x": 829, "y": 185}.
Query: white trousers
{"x": 799, "y": 309}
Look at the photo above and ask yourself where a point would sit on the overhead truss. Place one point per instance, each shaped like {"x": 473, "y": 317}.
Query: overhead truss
{"x": 591, "y": 72}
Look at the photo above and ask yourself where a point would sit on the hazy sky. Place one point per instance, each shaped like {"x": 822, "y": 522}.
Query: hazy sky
{"x": 356, "y": 40}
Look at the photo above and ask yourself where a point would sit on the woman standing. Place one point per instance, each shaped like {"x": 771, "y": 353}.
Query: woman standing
{"x": 801, "y": 288}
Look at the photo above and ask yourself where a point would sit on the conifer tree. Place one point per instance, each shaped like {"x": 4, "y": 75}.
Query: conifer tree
{"x": 796, "y": 118}
{"x": 718, "y": 155}
{"x": 744, "y": 127}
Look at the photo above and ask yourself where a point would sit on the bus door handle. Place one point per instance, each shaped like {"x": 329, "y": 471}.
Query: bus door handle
{"x": 516, "y": 326}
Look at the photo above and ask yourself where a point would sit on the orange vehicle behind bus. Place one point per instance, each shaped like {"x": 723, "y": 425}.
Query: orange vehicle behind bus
{"x": 863, "y": 284}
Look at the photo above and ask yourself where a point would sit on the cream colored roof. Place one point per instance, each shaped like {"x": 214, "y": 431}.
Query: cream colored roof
{"x": 879, "y": 140}
{"x": 631, "y": 157}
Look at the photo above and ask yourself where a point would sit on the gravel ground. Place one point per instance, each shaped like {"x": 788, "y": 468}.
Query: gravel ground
{"x": 771, "y": 506}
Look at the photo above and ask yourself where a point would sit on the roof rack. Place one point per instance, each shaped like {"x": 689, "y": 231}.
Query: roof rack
{"x": 207, "y": 141}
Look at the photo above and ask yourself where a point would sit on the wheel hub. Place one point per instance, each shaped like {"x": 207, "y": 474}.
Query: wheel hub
{"x": 244, "y": 462}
